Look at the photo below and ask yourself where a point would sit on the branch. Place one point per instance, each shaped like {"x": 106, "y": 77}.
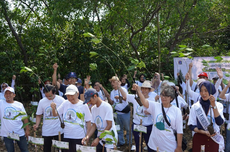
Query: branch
{"x": 14, "y": 33}
{"x": 181, "y": 27}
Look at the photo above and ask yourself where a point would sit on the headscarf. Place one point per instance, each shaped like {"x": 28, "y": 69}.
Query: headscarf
{"x": 1, "y": 86}
{"x": 211, "y": 90}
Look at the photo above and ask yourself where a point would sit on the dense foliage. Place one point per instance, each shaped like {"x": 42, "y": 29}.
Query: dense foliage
{"x": 38, "y": 33}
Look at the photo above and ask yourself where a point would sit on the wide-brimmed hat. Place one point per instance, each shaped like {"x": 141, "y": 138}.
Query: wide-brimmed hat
{"x": 146, "y": 84}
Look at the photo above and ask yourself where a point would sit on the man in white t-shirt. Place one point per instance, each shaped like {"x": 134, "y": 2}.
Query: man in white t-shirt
{"x": 102, "y": 119}
{"x": 8, "y": 110}
{"x": 73, "y": 131}
{"x": 51, "y": 124}
{"x": 118, "y": 100}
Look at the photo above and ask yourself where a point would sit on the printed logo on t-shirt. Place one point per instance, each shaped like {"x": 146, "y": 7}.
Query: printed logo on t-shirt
{"x": 49, "y": 114}
{"x": 10, "y": 113}
{"x": 99, "y": 123}
{"x": 140, "y": 111}
{"x": 161, "y": 124}
{"x": 70, "y": 116}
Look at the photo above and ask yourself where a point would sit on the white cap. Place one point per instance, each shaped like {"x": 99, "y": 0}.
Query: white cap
{"x": 9, "y": 89}
{"x": 71, "y": 90}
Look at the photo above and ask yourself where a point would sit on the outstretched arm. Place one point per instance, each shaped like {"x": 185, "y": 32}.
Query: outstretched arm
{"x": 54, "y": 76}
{"x": 223, "y": 92}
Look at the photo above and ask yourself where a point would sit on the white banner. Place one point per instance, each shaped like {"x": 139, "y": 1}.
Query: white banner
{"x": 202, "y": 64}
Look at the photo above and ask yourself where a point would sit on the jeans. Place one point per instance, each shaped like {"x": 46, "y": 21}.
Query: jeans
{"x": 123, "y": 120}
{"x": 227, "y": 145}
{"x": 48, "y": 142}
{"x": 22, "y": 144}
{"x": 145, "y": 135}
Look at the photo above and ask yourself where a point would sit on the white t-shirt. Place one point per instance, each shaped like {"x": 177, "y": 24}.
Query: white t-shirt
{"x": 72, "y": 129}
{"x": 2, "y": 96}
{"x": 101, "y": 95}
{"x": 164, "y": 139}
{"x": 7, "y": 112}
{"x": 125, "y": 86}
{"x": 118, "y": 106}
{"x": 138, "y": 112}
{"x": 138, "y": 83}
{"x": 100, "y": 115}
{"x": 225, "y": 109}
{"x": 51, "y": 125}
{"x": 152, "y": 95}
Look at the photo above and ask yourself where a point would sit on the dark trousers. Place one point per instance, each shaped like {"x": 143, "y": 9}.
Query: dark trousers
{"x": 146, "y": 137}
{"x": 72, "y": 144}
{"x": 48, "y": 142}
{"x": 100, "y": 148}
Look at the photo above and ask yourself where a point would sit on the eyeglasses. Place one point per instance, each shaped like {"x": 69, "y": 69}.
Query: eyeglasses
{"x": 4, "y": 86}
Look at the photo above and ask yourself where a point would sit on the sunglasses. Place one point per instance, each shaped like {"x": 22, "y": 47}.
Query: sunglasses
{"x": 4, "y": 86}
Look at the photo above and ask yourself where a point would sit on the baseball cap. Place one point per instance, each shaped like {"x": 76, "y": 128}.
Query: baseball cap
{"x": 215, "y": 78}
{"x": 204, "y": 74}
{"x": 88, "y": 94}
{"x": 79, "y": 80}
{"x": 114, "y": 78}
{"x": 146, "y": 84}
{"x": 9, "y": 89}
{"x": 71, "y": 90}
{"x": 72, "y": 75}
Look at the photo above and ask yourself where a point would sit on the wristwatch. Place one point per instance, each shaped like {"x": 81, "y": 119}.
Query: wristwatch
{"x": 214, "y": 107}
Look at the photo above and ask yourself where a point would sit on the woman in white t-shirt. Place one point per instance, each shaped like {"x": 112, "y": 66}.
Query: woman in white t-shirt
{"x": 140, "y": 113}
{"x": 162, "y": 135}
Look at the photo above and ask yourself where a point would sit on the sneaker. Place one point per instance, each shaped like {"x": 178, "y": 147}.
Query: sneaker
{"x": 133, "y": 147}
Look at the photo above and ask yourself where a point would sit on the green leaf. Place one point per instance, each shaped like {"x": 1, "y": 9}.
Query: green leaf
{"x": 78, "y": 115}
{"x": 28, "y": 69}
{"x": 134, "y": 61}
{"x": 92, "y": 54}
{"x": 182, "y": 46}
{"x": 227, "y": 75}
{"x": 24, "y": 125}
{"x": 218, "y": 58}
{"x": 25, "y": 117}
{"x": 189, "y": 49}
{"x": 141, "y": 65}
{"x": 131, "y": 67}
{"x": 93, "y": 66}
{"x": 108, "y": 139}
{"x": 88, "y": 35}
{"x": 206, "y": 46}
{"x": 19, "y": 114}
{"x": 96, "y": 40}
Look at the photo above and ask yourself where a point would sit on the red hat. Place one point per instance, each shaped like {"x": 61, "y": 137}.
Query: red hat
{"x": 203, "y": 74}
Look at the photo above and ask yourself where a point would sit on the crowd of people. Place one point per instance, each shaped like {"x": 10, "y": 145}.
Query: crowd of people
{"x": 79, "y": 113}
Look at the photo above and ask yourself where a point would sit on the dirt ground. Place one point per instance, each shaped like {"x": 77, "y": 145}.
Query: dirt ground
{"x": 187, "y": 135}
